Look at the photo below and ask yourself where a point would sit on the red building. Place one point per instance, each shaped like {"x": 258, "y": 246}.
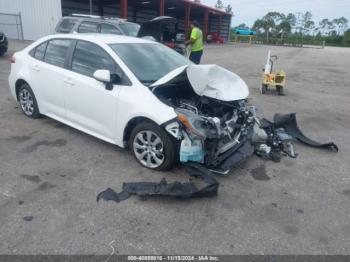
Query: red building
{"x": 212, "y": 20}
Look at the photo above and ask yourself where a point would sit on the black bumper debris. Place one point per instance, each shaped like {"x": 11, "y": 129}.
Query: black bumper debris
{"x": 289, "y": 123}
{"x": 163, "y": 188}
{"x": 244, "y": 151}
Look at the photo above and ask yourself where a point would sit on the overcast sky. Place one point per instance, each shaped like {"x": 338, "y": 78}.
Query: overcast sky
{"x": 247, "y": 11}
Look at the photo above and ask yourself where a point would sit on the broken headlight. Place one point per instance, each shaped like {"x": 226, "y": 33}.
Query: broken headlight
{"x": 192, "y": 122}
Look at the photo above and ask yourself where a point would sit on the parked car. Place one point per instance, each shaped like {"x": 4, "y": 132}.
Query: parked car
{"x": 214, "y": 37}
{"x": 3, "y": 44}
{"x": 78, "y": 23}
{"x": 244, "y": 31}
{"x": 161, "y": 29}
{"x": 135, "y": 93}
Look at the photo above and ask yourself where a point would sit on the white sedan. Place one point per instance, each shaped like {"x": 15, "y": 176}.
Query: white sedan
{"x": 135, "y": 93}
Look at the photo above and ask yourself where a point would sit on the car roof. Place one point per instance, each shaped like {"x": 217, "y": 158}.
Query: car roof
{"x": 105, "y": 38}
{"x": 82, "y": 18}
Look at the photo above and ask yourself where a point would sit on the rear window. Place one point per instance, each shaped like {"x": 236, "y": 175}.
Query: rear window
{"x": 66, "y": 26}
{"x": 88, "y": 27}
{"x": 56, "y": 52}
{"x": 130, "y": 29}
{"x": 40, "y": 51}
{"x": 110, "y": 29}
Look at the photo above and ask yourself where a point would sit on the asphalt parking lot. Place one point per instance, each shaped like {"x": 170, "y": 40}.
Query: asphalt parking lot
{"x": 50, "y": 175}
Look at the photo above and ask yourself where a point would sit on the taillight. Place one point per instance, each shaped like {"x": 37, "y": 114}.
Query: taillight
{"x": 13, "y": 60}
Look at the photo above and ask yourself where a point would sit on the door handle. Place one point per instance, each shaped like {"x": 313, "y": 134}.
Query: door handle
{"x": 69, "y": 82}
{"x": 36, "y": 68}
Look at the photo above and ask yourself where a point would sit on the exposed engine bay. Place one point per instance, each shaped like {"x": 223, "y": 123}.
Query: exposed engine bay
{"x": 214, "y": 129}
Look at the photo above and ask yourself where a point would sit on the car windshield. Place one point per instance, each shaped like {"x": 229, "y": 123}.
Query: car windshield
{"x": 149, "y": 61}
{"x": 130, "y": 29}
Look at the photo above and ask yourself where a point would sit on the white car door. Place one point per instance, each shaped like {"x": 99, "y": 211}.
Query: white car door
{"x": 90, "y": 106}
{"x": 48, "y": 71}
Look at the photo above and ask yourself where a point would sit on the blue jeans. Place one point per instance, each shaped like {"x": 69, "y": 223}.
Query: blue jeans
{"x": 196, "y": 56}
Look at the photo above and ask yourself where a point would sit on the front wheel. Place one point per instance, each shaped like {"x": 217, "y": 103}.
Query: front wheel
{"x": 152, "y": 146}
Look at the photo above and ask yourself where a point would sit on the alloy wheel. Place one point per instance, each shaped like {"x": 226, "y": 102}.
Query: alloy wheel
{"x": 26, "y": 101}
{"x": 148, "y": 148}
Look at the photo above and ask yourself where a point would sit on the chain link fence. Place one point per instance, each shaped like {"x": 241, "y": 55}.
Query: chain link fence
{"x": 11, "y": 25}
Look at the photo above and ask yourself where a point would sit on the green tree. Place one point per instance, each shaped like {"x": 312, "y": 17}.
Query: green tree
{"x": 243, "y": 25}
{"x": 307, "y": 23}
{"x": 343, "y": 24}
{"x": 340, "y": 24}
{"x": 276, "y": 17}
{"x": 291, "y": 19}
{"x": 331, "y": 28}
{"x": 346, "y": 38}
{"x": 228, "y": 9}
{"x": 266, "y": 24}
{"x": 323, "y": 25}
{"x": 309, "y": 27}
{"x": 284, "y": 28}
{"x": 219, "y": 4}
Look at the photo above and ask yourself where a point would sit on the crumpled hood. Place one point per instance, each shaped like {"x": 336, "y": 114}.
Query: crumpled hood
{"x": 211, "y": 81}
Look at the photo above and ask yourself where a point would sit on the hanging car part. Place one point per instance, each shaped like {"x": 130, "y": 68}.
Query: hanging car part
{"x": 289, "y": 123}
{"x": 163, "y": 188}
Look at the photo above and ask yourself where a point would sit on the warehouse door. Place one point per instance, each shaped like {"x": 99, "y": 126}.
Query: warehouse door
{"x": 11, "y": 25}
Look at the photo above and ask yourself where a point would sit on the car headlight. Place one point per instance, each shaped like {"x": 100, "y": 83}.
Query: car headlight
{"x": 192, "y": 125}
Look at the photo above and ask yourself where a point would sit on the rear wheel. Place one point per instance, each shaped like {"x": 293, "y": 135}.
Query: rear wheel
{"x": 263, "y": 89}
{"x": 279, "y": 90}
{"x": 28, "y": 102}
{"x": 152, "y": 146}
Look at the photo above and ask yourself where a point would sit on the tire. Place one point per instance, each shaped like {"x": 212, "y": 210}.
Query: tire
{"x": 263, "y": 89}
{"x": 152, "y": 147}
{"x": 279, "y": 90}
{"x": 28, "y": 101}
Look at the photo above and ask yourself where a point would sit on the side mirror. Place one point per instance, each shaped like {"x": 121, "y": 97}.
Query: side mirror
{"x": 103, "y": 76}
{"x": 107, "y": 78}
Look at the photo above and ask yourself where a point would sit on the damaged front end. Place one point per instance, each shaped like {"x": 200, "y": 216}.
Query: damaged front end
{"x": 216, "y": 130}
{"x": 215, "y": 125}
{"x": 219, "y": 138}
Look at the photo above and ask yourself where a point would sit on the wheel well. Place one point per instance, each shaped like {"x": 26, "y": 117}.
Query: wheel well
{"x": 19, "y": 83}
{"x": 131, "y": 125}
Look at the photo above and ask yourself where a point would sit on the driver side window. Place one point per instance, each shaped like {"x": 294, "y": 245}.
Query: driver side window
{"x": 89, "y": 57}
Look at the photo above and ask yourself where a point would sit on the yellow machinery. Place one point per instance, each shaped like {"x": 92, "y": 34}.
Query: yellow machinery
{"x": 250, "y": 38}
{"x": 269, "y": 78}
